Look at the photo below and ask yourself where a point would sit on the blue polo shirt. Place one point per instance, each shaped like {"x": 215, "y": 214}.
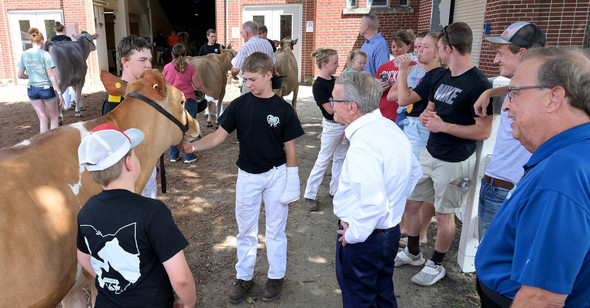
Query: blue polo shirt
{"x": 377, "y": 50}
{"x": 541, "y": 234}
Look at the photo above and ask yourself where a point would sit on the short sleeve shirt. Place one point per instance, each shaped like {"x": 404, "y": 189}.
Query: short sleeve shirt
{"x": 36, "y": 61}
{"x": 423, "y": 89}
{"x": 322, "y": 92}
{"x": 263, "y": 126}
{"x": 128, "y": 238}
{"x": 453, "y": 98}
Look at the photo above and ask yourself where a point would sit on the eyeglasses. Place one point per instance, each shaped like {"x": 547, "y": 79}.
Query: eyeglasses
{"x": 447, "y": 37}
{"x": 510, "y": 95}
{"x": 332, "y": 101}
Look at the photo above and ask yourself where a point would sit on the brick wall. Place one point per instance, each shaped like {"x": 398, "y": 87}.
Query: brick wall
{"x": 332, "y": 29}
{"x": 73, "y": 12}
{"x": 564, "y": 23}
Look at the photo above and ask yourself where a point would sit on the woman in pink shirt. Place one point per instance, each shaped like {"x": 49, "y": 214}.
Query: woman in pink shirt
{"x": 180, "y": 74}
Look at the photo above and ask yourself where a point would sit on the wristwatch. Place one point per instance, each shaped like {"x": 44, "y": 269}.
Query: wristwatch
{"x": 58, "y": 92}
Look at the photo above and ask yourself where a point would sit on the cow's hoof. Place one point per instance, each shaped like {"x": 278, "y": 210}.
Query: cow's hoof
{"x": 60, "y": 121}
{"x": 209, "y": 124}
{"x": 78, "y": 114}
{"x": 82, "y": 108}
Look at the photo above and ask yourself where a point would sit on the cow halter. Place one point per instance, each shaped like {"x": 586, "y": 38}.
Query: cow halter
{"x": 183, "y": 127}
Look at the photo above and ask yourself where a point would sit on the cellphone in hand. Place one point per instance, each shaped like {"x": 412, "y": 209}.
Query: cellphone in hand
{"x": 384, "y": 77}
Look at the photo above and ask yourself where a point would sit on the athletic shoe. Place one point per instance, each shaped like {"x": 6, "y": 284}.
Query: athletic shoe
{"x": 239, "y": 291}
{"x": 173, "y": 159}
{"x": 405, "y": 257}
{"x": 188, "y": 161}
{"x": 430, "y": 274}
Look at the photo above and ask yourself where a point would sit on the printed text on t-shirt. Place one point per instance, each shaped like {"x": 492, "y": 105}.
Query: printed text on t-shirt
{"x": 446, "y": 93}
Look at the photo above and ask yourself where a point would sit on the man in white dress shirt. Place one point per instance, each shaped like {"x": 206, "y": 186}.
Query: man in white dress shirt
{"x": 378, "y": 174}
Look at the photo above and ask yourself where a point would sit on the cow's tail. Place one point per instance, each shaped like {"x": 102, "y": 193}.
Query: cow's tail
{"x": 47, "y": 45}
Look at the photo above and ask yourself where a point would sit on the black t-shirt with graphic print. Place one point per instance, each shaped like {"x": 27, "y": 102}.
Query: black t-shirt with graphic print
{"x": 263, "y": 126}
{"x": 453, "y": 99}
{"x": 129, "y": 237}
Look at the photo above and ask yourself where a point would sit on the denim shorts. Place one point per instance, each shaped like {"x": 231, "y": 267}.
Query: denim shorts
{"x": 45, "y": 93}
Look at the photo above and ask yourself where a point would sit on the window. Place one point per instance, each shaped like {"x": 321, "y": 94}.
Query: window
{"x": 259, "y": 20}
{"x": 404, "y": 3}
{"x": 352, "y": 3}
{"x": 286, "y": 26}
{"x": 372, "y": 3}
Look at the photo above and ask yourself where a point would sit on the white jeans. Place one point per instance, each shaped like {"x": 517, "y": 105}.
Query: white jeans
{"x": 332, "y": 150}
{"x": 251, "y": 190}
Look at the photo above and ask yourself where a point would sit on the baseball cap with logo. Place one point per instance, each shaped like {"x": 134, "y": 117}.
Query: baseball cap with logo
{"x": 105, "y": 145}
{"x": 522, "y": 34}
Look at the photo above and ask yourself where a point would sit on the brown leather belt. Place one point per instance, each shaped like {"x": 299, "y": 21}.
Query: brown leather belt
{"x": 498, "y": 182}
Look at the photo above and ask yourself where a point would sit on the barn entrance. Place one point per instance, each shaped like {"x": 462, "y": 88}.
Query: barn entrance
{"x": 281, "y": 21}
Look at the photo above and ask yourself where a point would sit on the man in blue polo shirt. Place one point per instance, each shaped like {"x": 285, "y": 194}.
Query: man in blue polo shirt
{"x": 375, "y": 45}
{"x": 539, "y": 254}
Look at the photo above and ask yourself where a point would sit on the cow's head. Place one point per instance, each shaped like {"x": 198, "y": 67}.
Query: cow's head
{"x": 153, "y": 86}
{"x": 287, "y": 42}
{"x": 87, "y": 36}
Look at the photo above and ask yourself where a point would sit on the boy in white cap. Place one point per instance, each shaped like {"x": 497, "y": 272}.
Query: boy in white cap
{"x": 128, "y": 242}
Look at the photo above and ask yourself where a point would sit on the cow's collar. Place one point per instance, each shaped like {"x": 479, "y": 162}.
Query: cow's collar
{"x": 183, "y": 127}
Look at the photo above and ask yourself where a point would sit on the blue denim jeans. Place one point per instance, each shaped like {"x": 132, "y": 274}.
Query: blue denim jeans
{"x": 44, "y": 93}
{"x": 191, "y": 106}
{"x": 490, "y": 199}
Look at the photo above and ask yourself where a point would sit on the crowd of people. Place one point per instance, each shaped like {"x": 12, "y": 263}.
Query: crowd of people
{"x": 400, "y": 135}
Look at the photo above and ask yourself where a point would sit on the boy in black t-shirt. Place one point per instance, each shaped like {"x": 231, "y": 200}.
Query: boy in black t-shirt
{"x": 127, "y": 242}
{"x": 449, "y": 156}
{"x": 267, "y": 127}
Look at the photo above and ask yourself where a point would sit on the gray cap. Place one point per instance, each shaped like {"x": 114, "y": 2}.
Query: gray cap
{"x": 522, "y": 34}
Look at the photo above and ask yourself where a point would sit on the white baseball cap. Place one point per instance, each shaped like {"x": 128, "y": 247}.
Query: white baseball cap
{"x": 105, "y": 145}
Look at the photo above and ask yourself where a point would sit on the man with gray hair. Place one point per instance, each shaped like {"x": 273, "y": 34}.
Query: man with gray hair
{"x": 375, "y": 46}
{"x": 539, "y": 254}
{"x": 371, "y": 194}
{"x": 252, "y": 44}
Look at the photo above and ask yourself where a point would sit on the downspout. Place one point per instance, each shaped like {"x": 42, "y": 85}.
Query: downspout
{"x": 226, "y": 23}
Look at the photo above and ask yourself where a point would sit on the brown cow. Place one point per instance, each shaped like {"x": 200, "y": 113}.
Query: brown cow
{"x": 212, "y": 77}
{"x": 287, "y": 66}
{"x": 44, "y": 187}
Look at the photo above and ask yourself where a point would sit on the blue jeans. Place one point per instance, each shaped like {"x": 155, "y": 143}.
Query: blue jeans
{"x": 400, "y": 117}
{"x": 490, "y": 199}
{"x": 365, "y": 270}
{"x": 191, "y": 106}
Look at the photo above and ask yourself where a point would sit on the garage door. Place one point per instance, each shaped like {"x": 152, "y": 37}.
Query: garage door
{"x": 472, "y": 13}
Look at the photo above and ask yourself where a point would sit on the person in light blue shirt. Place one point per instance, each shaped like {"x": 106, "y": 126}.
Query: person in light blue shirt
{"x": 375, "y": 45}
{"x": 539, "y": 253}
{"x": 36, "y": 65}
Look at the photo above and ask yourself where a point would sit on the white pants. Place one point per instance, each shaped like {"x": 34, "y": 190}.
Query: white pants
{"x": 209, "y": 99}
{"x": 151, "y": 187}
{"x": 332, "y": 150}
{"x": 251, "y": 190}
{"x": 69, "y": 96}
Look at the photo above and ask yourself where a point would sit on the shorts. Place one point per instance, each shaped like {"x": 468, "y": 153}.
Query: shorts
{"x": 45, "y": 93}
{"x": 160, "y": 48}
{"x": 434, "y": 185}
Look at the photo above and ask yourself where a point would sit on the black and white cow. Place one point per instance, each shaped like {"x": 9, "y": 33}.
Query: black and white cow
{"x": 70, "y": 62}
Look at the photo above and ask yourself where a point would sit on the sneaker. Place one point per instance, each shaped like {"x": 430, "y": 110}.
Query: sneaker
{"x": 272, "y": 289}
{"x": 192, "y": 160}
{"x": 173, "y": 159}
{"x": 312, "y": 205}
{"x": 405, "y": 257}
{"x": 430, "y": 274}
{"x": 239, "y": 291}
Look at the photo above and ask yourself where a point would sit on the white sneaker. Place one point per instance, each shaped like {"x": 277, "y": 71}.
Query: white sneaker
{"x": 430, "y": 274}
{"x": 405, "y": 257}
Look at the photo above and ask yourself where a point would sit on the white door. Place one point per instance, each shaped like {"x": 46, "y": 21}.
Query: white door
{"x": 281, "y": 21}
{"x": 21, "y": 21}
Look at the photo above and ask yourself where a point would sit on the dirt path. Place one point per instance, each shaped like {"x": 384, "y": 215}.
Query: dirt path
{"x": 201, "y": 196}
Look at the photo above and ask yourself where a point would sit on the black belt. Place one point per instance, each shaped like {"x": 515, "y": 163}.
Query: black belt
{"x": 376, "y": 231}
{"x": 497, "y": 182}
